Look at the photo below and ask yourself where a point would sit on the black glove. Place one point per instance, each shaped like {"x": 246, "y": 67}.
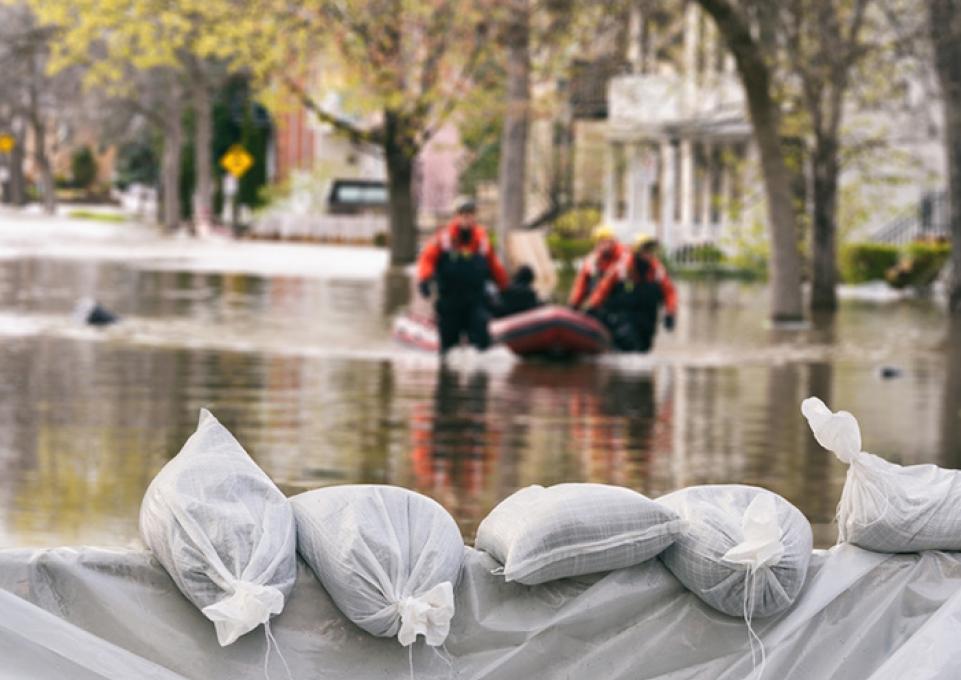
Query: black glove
{"x": 424, "y": 288}
{"x": 669, "y": 322}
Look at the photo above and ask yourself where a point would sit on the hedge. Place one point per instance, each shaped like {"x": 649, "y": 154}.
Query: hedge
{"x": 860, "y": 262}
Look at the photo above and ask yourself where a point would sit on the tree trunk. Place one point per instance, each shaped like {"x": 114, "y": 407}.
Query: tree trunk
{"x": 45, "y": 179}
{"x": 399, "y": 153}
{"x": 17, "y": 183}
{"x": 945, "y": 28}
{"x": 513, "y": 159}
{"x": 786, "y": 300}
{"x": 824, "y": 226}
{"x": 170, "y": 168}
{"x": 203, "y": 164}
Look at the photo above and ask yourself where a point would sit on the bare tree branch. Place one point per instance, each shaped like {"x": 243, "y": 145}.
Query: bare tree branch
{"x": 345, "y": 127}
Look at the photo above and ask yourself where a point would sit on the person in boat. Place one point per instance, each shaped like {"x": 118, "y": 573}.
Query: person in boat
{"x": 608, "y": 251}
{"x": 631, "y": 295}
{"x": 520, "y": 295}
{"x": 459, "y": 261}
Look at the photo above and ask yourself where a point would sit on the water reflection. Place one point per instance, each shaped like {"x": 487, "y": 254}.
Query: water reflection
{"x": 453, "y": 450}
{"x": 951, "y": 400}
{"x": 87, "y": 418}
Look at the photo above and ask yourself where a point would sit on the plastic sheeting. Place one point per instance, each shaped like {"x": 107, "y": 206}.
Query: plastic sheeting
{"x": 117, "y": 615}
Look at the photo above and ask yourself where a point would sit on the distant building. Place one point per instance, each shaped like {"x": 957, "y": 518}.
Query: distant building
{"x": 680, "y": 162}
{"x": 313, "y": 157}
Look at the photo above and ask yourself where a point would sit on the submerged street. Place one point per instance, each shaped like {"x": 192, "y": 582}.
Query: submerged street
{"x": 289, "y": 346}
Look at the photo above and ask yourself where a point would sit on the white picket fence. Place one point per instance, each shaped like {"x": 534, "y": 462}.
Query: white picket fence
{"x": 335, "y": 228}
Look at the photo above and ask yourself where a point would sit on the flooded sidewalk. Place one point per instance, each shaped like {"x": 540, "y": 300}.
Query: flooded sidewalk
{"x": 289, "y": 346}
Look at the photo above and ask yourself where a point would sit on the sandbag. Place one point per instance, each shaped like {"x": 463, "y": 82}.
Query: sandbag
{"x": 745, "y": 550}
{"x": 388, "y": 557}
{"x": 887, "y": 507}
{"x": 222, "y": 530}
{"x": 541, "y": 535}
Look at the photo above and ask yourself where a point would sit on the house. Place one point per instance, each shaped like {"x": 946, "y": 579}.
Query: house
{"x": 680, "y": 162}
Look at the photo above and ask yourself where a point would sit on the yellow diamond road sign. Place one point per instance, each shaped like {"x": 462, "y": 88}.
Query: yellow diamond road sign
{"x": 7, "y": 142}
{"x": 236, "y": 161}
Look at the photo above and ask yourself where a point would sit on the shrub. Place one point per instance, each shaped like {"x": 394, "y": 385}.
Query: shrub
{"x": 921, "y": 264}
{"x": 83, "y": 167}
{"x": 749, "y": 249}
{"x": 860, "y": 262}
{"x": 566, "y": 250}
{"x": 577, "y": 223}
{"x": 570, "y": 236}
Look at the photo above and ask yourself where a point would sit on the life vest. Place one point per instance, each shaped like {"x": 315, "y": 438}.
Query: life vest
{"x": 462, "y": 270}
{"x": 638, "y": 294}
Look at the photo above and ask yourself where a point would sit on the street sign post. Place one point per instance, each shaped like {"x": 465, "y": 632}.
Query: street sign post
{"x": 236, "y": 161}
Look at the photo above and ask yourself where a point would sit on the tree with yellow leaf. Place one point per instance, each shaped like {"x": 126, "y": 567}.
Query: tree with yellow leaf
{"x": 403, "y": 67}
{"x": 153, "y": 56}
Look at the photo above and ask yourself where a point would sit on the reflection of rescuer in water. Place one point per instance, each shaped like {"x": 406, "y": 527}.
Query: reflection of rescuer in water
{"x": 452, "y": 448}
{"x": 606, "y": 254}
{"x": 628, "y": 298}
{"x": 459, "y": 260}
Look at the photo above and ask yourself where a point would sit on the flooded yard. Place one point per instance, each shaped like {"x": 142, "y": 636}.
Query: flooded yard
{"x": 302, "y": 369}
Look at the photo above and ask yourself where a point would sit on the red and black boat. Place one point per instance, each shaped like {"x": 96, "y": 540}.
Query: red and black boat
{"x": 550, "y": 331}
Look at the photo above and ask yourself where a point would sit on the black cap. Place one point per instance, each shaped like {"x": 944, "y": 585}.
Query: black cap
{"x": 466, "y": 207}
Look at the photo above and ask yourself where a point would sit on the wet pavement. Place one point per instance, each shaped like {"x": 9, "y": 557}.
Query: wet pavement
{"x": 302, "y": 369}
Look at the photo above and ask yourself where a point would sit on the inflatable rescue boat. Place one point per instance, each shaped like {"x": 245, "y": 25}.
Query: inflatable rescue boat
{"x": 551, "y": 331}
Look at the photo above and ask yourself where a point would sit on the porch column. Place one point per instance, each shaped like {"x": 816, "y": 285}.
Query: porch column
{"x": 665, "y": 231}
{"x": 727, "y": 189}
{"x": 706, "y": 194}
{"x": 609, "y": 195}
{"x": 687, "y": 190}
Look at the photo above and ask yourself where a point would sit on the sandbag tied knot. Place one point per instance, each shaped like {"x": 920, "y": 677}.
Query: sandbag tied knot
{"x": 762, "y": 544}
{"x": 837, "y": 432}
{"x": 248, "y": 606}
{"x": 428, "y": 614}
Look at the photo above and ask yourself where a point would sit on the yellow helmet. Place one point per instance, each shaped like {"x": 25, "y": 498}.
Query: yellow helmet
{"x": 602, "y": 232}
{"x": 644, "y": 241}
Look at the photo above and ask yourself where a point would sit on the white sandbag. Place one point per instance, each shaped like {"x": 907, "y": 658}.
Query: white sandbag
{"x": 745, "y": 551}
{"x": 566, "y": 530}
{"x": 222, "y": 530}
{"x": 388, "y": 557}
{"x": 887, "y": 507}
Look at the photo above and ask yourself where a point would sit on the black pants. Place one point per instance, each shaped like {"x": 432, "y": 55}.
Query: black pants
{"x": 453, "y": 321}
{"x": 632, "y": 334}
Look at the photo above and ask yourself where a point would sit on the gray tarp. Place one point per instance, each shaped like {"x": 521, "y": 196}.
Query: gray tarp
{"x": 116, "y": 614}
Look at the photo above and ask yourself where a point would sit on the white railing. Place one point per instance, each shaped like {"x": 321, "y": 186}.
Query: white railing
{"x": 336, "y": 228}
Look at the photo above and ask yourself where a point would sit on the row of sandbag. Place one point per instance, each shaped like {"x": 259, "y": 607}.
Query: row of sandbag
{"x": 390, "y": 558}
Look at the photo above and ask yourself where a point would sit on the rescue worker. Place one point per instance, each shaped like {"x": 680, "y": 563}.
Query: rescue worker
{"x": 520, "y": 295}
{"x": 459, "y": 261}
{"x": 607, "y": 253}
{"x": 632, "y": 293}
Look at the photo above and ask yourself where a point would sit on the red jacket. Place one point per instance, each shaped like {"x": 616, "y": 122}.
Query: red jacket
{"x": 446, "y": 241}
{"x": 592, "y": 270}
{"x": 624, "y": 270}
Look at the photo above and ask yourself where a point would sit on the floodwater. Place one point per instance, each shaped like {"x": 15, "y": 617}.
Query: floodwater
{"x": 303, "y": 371}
